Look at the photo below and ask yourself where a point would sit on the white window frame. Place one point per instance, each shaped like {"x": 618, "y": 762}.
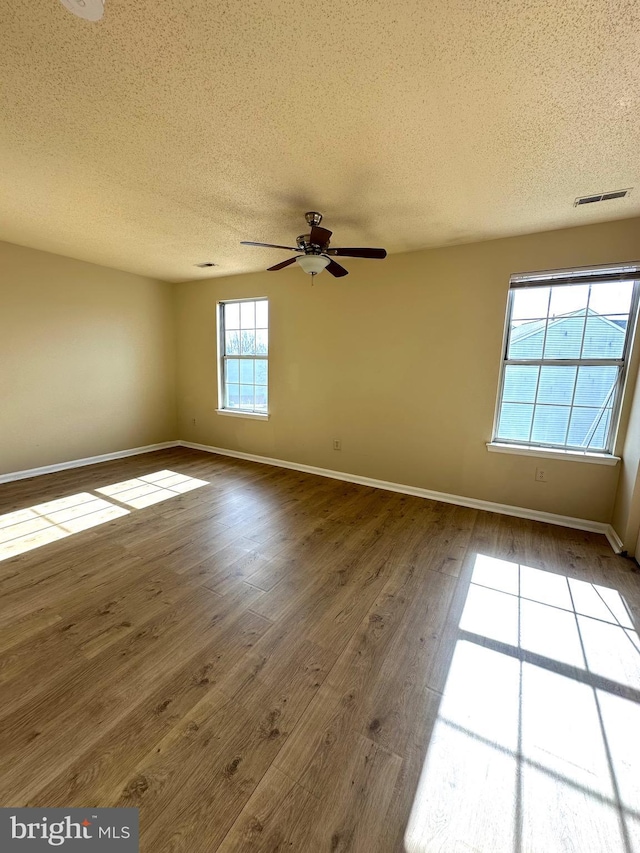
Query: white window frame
{"x": 222, "y": 409}
{"x": 581, "y": 275}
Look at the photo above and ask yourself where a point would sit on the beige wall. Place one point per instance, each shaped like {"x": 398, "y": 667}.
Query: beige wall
{"x": 626, "y": 511}
{"x": 348, "y": 354}
{"x": 87, "y": 360}
{"x": 87, "y": 367}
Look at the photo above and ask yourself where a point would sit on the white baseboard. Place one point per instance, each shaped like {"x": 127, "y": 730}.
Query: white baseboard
{"x": 89, "y": 460}
{"x": 473, "y": 503}
{"x": 614, "y": 540}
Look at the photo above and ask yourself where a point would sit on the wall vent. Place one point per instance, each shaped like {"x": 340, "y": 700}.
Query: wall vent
{"x": 590, "y": 199}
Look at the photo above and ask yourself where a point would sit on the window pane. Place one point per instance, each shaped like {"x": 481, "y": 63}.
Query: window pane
{"x": 611, "y": 297}
{"x": 530, "y": 303}
{"x": 262, "y": 314}
{"x": 589, "y": 428}
{"x": 261, "y": 371}
{"x": 568, "y": 403}
{"x": 232, "y": 343}
{"x": 248, "y": 315}
{"x": 246, "y": 372}
{"x": 262, "y": 342}
{"x": 564, "y": 337}
{"x": 550, "y": 424}
{"x": 239, "y": 355}
{"x": 520, "y": 383}
{"x": 569, "y": 299}
{"x": 232, "y": 316}
{"x": 601, "y": 435}
{"x": 556, "y": 385}
{"x": 515, "y": 421}
{"x": 246, "y": 396}
{"x": 233, "y": 396}
{"x": 232, "y": 370}
{"x": 248, "y": 343}
{"x": 526, "y": 339}
{"x": 261, "y": 398}
{"x": 595, "y": 386}
{"x": 604, "y": 337}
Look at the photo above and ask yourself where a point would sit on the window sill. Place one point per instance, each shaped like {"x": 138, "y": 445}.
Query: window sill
{"x": 232, "y": 413}
{"x": 553, "y": 453}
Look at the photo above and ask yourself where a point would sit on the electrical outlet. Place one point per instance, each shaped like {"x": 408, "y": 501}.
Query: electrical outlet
{"x": 541, "y": 475}
{"x": 337, "y": 444}
{"x": 193, "y": 421}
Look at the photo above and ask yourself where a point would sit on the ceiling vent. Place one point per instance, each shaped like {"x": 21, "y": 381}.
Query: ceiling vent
{"x": 591, "y": 199}
{"x": 205, "y": 264}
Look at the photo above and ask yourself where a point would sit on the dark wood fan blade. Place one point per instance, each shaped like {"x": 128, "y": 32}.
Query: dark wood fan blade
{"x": 336, "y": 270}
{"x": 269, "y": 245}
{"x": 359, "y": 253}
{"x": 281, "y": 265}
{"x": 319, "y": 236}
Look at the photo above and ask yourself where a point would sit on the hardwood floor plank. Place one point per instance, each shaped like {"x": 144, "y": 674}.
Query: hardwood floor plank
{"x": 278, "y": 812}
{"x": 100, "y": 774}
{"x": 97, "y": 695}
{"x": 198, "y": 781}
{"x": 278, "y": 661}
{"x": 373, "y": 688}
{"x": 281, "y": 814}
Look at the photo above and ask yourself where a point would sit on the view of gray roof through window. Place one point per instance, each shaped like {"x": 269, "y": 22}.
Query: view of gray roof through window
{"x": 564, "y": 364}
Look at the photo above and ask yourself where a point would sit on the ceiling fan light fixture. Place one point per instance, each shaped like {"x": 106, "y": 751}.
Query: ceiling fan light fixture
{"x": 313, "y": 264}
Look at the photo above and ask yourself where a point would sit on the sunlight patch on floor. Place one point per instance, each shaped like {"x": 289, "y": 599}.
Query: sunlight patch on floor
{"x": 26, "y": 529}
{"x": 151, "y": 489}
{"x": 38, "y": 525}
{"x": 536, "y": 747}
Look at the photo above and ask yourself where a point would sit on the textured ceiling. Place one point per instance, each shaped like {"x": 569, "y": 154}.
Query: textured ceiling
{"x": 173, "y": 129}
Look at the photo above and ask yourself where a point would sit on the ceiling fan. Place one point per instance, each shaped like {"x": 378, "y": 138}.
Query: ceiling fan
{"x": 315, "y": 254}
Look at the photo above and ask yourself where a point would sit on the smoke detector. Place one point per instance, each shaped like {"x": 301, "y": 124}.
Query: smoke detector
{"x": 89, "y": 10}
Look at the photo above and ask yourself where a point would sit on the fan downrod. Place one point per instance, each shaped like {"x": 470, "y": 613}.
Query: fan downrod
{"x": 313, "y": 217}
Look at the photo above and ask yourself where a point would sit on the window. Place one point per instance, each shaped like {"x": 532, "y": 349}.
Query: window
{"x": 244, "y": 352}
{"x": 566, "y": 346}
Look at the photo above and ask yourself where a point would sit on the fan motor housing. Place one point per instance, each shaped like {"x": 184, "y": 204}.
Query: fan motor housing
{"x": 313, "y": 217}
{"x": 304, "y": 242}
